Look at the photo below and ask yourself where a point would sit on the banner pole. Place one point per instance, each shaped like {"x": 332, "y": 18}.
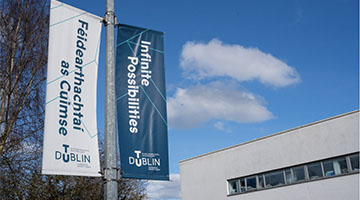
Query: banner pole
{"x": 111, "y": 170}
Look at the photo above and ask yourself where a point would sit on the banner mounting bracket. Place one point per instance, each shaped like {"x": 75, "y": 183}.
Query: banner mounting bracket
{"x": 108, "y": 18}
{"x": 105, "y": 176}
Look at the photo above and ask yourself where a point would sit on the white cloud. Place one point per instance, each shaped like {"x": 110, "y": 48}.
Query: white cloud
{"x": 221, "y": 126}
{"x": 195, "y": 105}
{"x": 216, "y": 59}
{"x": 164, "y": 190}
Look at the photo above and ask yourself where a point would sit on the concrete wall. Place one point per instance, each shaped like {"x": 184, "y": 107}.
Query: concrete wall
{"x": 205, "y": 177}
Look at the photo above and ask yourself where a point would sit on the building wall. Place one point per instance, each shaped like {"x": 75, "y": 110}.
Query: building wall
{"x": 205, "y": 177}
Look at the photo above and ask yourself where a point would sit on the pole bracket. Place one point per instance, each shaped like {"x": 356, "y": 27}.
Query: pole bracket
{"x": 109, "y": 18}
{"x": 105, "y": 175}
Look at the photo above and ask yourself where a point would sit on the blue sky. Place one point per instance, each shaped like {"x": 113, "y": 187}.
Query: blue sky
{"x": 237, "y": 70}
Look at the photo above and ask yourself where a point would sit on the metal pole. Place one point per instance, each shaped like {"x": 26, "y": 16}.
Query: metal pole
{"x": 110, "y": 172}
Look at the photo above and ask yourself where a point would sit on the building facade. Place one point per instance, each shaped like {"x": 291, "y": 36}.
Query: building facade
{"x": 318, "y": 161}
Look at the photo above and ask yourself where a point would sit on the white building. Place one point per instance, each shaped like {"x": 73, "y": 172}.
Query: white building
{"x": 318, "y": 161}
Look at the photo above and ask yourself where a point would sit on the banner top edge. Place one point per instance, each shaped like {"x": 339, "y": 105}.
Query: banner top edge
{"x": 137, "y": 27}
{"x": 78, "y": 10}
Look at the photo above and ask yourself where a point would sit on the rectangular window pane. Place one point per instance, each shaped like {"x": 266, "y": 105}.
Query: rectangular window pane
{"x": 242, "y": 185}
{"x": 251, "y": 183}
{"x": 274, "y": 178}
{"x": 288, "y": 176}
{"x": 233, "y": 186}
{"x": 315, "y": 171}
{"x": 354, "y": 159}
{"x": 299, "y": 173}
{"x": 261, "y": 182}
{"x": 335, "y": 166}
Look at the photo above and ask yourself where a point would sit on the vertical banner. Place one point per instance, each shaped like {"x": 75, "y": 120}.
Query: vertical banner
{"x": 141, "y": 104}
{"x": 70, "y": 132}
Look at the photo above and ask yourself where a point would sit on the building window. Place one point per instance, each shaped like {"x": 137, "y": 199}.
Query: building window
{"x": 242, "y": 185}
{"x": 299, "y": 173}
{"x": 335, "y": 167}
{"x": 273, "y": 179}
{"x": 354, "y": 160}
{"x": 251, "y": 183}
{"x": 233, "y": 186}
{"x": 261, "y": 181}
{"x": 315, "y": 171}
{"x": 288, "y": 176}
{"x": 347, "y": 164}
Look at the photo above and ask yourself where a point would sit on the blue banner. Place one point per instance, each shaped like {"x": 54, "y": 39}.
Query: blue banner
{"x": 141, "y": 103}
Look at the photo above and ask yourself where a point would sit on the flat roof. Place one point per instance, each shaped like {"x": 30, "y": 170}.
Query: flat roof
{"x": 271, "y": 135}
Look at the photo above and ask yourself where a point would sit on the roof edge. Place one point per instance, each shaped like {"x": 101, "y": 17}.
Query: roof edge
{"x": 271, "y": 135}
